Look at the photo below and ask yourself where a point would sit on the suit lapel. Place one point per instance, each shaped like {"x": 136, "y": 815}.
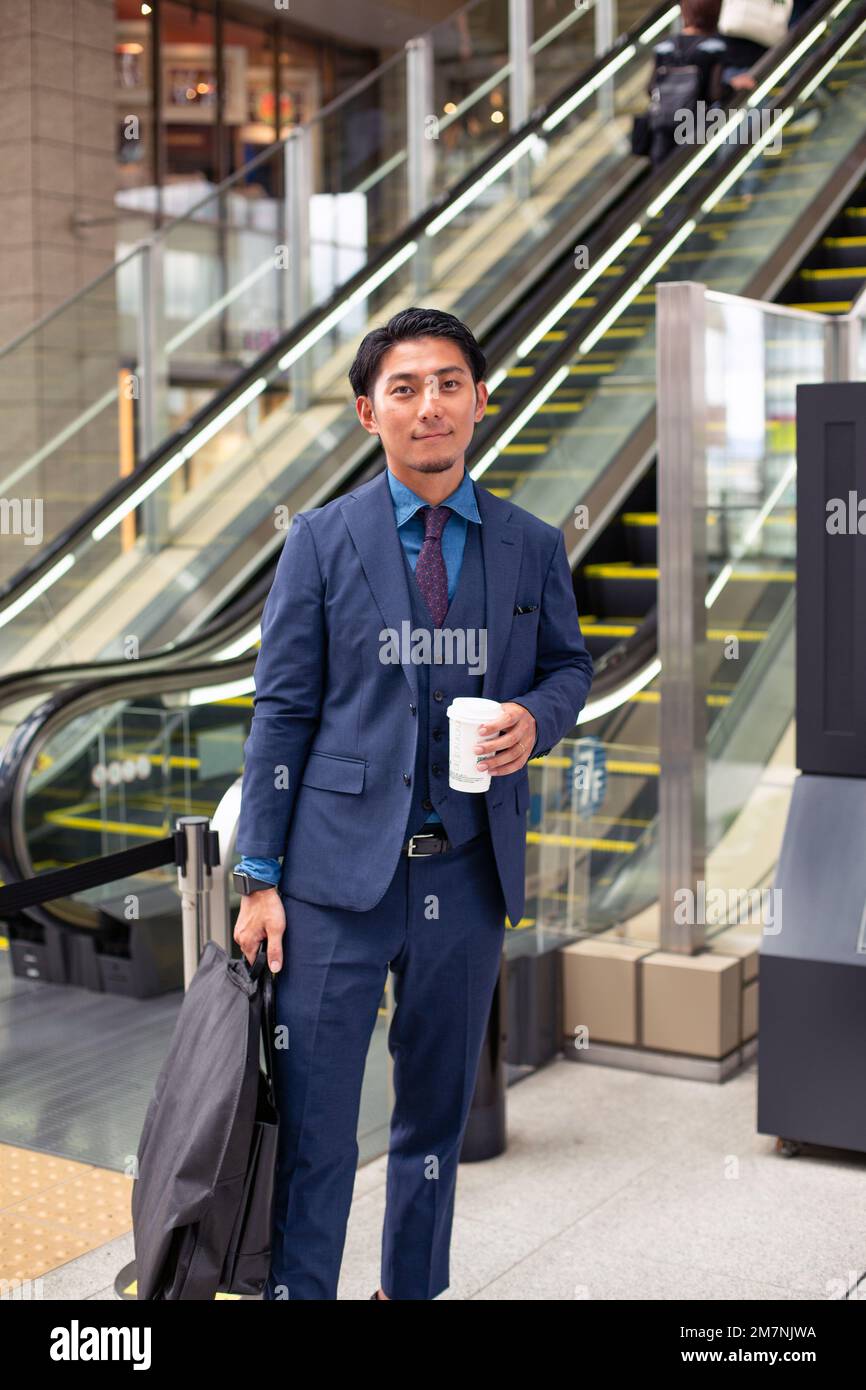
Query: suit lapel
{"x": 369, "y": 517}
{"x": 502, "y": 547}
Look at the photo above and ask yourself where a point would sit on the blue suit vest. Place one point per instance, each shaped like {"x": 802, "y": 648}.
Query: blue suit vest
{"x": 464, "y": 814}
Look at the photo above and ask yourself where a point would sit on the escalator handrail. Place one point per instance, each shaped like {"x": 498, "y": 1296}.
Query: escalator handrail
{"x": 634, "y": 209}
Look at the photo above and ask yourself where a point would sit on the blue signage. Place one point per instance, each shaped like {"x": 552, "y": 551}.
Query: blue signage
{"x": 590, "y": 776}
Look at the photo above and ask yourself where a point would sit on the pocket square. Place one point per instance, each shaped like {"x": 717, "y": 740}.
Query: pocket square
{"x": 525, "y": 608}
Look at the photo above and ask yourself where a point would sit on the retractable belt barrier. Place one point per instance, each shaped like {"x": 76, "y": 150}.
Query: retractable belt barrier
{"x": 60, "y": 883}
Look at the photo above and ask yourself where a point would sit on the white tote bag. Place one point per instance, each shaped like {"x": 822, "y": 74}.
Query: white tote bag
{"x": 763, "y": 21}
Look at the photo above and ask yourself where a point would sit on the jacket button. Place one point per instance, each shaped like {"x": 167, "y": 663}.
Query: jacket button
{"x": 412, "y": 709}
{"x": 406, "y": 778}
{"x": 427, "y": 804}
{"x": 436, "y": 769}
{"x": 437, "y": 734}
{"x": 437, "y": 695}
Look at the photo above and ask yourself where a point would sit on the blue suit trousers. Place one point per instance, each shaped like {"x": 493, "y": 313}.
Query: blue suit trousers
{"x": 440, "y": 927}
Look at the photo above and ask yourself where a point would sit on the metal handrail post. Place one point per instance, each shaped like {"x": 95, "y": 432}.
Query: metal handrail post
{"x": 297, "y": 293}
{"x": 521, "y": 85}
{"x": 682, "y": 502}
{"x": 422, "y": 129}
{"x": 195, "y": 883}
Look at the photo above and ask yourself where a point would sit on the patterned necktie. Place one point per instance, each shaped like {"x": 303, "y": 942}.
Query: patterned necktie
{"x": 430, "y": 569}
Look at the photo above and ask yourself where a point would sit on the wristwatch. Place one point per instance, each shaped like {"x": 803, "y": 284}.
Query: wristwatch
{"x": 245, "y": 883}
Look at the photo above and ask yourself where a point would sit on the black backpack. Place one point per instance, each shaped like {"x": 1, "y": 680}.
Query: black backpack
{"x": 676, "y": 87}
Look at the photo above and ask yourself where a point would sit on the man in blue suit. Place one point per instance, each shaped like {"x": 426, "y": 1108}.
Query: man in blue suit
{"x": 346, "y": 778}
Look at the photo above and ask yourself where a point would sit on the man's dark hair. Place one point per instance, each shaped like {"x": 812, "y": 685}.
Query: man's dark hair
{"x": 412, "y": 323}
{"x": 701, "y": 14}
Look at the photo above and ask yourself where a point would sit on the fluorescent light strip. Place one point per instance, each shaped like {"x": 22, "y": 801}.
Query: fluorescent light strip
{"x": 207, "y": 694}
{"x": 36, "y": 590}
{"x": 685, "y": 174}
{"x": 649, "y": 34}
{"x": 114, "y": 518}
{"x": 606, "y": 704}
{"x": 577, "y": 289}
{"x": 517, "y": 425}
{"x": 173, "y": 464}
{"x": 496, "y": 379}
{"x": 454, "y": 208}
{"x": 557, "y": 29}
{"x": 828, "y": 67}
{"x": 404, "y": 254}
{"x": 726, "y": 571}
{"x": 760, "y": 92}
{"x": 240, "y": 646}
{"x": 59, "y": 439}
{"x": 382, "y": 172}
{"x": 730, "y": 179}
{"x": 443, "y": 122}
{"x": 613, "y": 314}
{"x": 558, "y": 116}
{"x": 218, "y": 305}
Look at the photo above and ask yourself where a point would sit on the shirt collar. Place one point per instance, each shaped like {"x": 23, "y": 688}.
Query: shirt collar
{"x": 406, "y": 502}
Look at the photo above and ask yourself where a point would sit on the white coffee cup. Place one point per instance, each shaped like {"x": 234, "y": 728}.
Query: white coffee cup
{"x": 465, "y": 773}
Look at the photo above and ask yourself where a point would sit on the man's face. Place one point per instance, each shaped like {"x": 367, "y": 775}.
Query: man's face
{"x": 424, "y": 404}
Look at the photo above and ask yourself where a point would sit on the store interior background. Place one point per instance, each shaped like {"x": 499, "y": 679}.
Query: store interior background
{"x": 119, "y": 115}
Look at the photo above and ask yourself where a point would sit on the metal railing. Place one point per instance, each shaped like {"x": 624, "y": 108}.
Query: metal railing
{"x": 727, "y": 369}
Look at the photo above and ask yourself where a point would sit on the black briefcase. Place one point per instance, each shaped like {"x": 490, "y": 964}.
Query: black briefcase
{"x": 249, "y": 1254}
{"x": 203, "y": 1197}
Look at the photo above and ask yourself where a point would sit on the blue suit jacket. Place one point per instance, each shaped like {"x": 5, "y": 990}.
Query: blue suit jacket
{"x": 333, "y": 730}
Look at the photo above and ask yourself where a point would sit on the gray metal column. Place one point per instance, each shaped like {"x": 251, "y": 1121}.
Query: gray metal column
{"x": 152, "y": 376}
{"x": 842, "y": 347}
{"x": 605, "y": 33}
{"x": 682, "y": 503}
{"x": 297, "y": 295}
{"x": 521, "y": 85}
{"x": 421, "y": 131}
{"x": 194, "y": 881}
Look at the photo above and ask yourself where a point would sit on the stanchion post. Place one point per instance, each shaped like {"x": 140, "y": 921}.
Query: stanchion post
{"x": 195, "y": 883}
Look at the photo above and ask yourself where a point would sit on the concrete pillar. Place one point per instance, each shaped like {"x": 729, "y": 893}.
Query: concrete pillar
{"x": 58, "y": 125}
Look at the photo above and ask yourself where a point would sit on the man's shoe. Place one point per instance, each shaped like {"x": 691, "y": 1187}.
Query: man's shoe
{"x": 375, "y": 1296}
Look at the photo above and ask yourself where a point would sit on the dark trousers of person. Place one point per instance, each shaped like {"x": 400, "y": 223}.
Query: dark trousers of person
{"x": 440, "y": 927}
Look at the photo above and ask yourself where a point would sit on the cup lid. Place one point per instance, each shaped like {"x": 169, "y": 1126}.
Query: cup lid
{"x": 473, "y": 707}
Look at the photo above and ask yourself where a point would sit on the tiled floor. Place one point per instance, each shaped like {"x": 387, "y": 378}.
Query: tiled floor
{"x": 614, "y": 1185}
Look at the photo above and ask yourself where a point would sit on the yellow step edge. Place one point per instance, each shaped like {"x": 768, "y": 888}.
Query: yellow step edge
{"x": 536, "y": 837}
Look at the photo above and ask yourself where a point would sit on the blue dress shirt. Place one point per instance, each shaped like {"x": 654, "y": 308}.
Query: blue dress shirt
{"x": 410, "y": 529}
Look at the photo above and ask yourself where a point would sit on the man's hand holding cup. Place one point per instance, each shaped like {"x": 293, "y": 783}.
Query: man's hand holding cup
{"x": 507, "y": 749}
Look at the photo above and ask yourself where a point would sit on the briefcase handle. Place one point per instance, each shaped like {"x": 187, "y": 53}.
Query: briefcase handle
{"x": 259, "y": 968}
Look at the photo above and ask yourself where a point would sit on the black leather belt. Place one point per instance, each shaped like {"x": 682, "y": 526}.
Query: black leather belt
{"x": 434, "y": 841}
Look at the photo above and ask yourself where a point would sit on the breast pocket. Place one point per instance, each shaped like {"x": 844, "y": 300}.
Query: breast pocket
{"x": 524, "y": 622}
{"x": 331, "y": 772}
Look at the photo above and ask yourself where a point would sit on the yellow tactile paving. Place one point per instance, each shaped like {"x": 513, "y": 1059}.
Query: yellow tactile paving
{"x": 54, "y": 1209}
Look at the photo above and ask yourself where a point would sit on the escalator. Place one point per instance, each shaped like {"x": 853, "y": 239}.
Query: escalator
{"x": 100, "y": 593}
{"x": 117, "y": 756}
{"x": 162, "y": 550}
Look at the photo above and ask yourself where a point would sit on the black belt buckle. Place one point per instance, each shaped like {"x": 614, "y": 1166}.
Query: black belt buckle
{"x": 430, "y": 835}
